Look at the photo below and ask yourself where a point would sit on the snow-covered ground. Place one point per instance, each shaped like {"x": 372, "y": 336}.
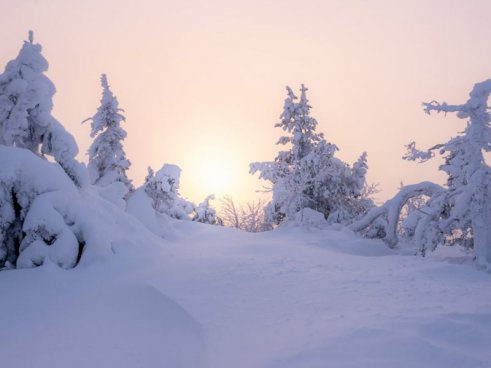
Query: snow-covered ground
{"x": 121, "y": 284}
{"x": 220, "y": 298}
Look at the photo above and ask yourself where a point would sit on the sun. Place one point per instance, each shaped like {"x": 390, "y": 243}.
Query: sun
{"x": 215, "y": 168}
{"x": 216, "y": 177}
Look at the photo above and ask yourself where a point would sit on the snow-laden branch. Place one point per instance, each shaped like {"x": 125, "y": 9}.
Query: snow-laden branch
{"x": 414, "y": 154}
{"x": 391, "y": 210}
{"x": 443, "y": 107}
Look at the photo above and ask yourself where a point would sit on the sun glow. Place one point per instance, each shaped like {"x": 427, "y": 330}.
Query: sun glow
{"x": 216, "y": 177}
{"x": 214, "y": 171}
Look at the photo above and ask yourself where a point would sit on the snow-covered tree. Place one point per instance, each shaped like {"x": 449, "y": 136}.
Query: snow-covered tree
{"x": 461, "y": 212}
{"x": 163, "y": 188}
{"x": 466, "y": 213}
{"x": 36, "y": 223}
{"x": 206, "y": 214}
{"x": 25, "y": 111}
{"x": 382, "y": 222}
{"x": 412, "y": 210}
{"x": 107, "y": 160}
{"x": 307, "y": 175}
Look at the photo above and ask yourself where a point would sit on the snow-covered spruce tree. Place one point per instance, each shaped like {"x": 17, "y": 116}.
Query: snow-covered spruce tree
{"x": 107, "y": 160}
{"x": 25, "y": 112}
{"x": 307, "y": 175}
{"x": 163, "y": 188}
{"x": 206, "y": 214}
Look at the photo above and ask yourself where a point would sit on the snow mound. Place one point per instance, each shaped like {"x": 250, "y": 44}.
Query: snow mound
{"x": 411, "y": 344}
{"x": 309, "y": 217}
{"x": 98, "y": 321}
{"x": 140, "y": 205}
{"x": 44, "y": 217}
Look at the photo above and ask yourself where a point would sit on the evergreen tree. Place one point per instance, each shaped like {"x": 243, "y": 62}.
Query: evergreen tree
{"x": 307, "y": 175}
{"x": 206, "y": 214}
{"x": 464, "y": 214}
{"x": 25, "y": 111}
{"x": 459, "y": 213}
{"x": 107, "y": 160}
{"x": 163, "y": 188}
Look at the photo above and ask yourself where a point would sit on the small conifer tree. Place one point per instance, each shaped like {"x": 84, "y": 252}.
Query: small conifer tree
{"x": 107, "y": 160}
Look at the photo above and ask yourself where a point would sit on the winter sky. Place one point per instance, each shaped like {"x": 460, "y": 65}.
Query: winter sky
{"x": 203, "y": 82}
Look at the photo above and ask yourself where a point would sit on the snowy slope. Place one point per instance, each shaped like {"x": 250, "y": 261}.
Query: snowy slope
{"x": 219, "y": 298}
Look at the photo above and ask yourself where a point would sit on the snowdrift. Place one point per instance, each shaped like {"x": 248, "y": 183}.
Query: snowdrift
{"x": 44, "y": 217}
{"x": 94, "y": 317}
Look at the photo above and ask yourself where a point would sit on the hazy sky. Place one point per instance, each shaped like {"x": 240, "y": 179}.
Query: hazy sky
{"x": 203, "y": 82}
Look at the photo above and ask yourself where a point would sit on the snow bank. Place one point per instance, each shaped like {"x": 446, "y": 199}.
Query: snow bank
{"x": 140, "y": 205}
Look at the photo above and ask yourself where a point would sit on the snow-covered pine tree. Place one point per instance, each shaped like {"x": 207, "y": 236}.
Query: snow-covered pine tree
{"x": 25, "y": 111}
{"x": 307, "y": 175}
{"x": 107, "y": 160}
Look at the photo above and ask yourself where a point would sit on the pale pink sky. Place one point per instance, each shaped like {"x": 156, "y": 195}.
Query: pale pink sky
{"x": 202, "y": 82}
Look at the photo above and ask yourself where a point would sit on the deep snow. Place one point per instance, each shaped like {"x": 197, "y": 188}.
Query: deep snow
{"x": 219, "y": 298}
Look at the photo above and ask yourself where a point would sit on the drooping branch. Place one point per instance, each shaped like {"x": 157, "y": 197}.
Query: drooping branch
{"x": 391, "y": 210}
